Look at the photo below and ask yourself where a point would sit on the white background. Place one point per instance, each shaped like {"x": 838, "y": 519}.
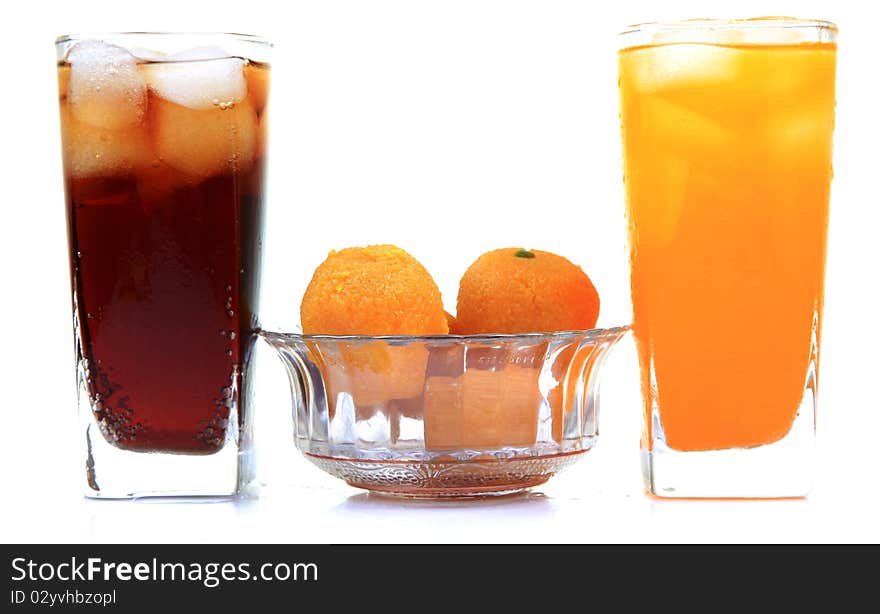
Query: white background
{"x": 448, "y": 128}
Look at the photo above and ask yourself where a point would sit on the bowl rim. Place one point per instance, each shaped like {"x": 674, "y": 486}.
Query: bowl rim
{"x": 593, "y": 333}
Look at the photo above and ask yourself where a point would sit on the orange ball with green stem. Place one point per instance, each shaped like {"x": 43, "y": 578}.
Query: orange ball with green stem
{"x": 513, "y": 290}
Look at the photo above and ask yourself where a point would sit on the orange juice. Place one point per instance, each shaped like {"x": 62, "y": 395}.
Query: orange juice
{"x": 727, "y": 153}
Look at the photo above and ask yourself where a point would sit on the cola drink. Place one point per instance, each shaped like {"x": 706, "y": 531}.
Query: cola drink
{"x": 164, "y": 157}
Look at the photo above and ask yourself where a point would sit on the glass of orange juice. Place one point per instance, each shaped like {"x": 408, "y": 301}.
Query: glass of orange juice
{"x": 727, "y": 128}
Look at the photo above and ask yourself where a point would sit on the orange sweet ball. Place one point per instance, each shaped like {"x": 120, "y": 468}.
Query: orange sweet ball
{"x": 513, "y": 290}
{"x": 373, "y": 290}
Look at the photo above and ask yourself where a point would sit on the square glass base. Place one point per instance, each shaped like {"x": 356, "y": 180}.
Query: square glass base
{"x": 179, "y": 465}
{"x": 781, "y": 469}
{"x": 114, "y": 473}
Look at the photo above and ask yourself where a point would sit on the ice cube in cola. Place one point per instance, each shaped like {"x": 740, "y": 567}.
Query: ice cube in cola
{"x": 163, "y": 167}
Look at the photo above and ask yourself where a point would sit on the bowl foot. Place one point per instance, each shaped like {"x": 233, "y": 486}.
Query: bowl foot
{"x": 465, "y": 492}
{"x": 446, "y": 479}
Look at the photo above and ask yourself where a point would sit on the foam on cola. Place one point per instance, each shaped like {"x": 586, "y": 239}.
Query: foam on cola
{"x": 163, "y": 161}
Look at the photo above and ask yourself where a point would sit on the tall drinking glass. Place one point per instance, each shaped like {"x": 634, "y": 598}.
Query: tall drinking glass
{"x": 164, "y": 139}
{"x": 727, "y": 129}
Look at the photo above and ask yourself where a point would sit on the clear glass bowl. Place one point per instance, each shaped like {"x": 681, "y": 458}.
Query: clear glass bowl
{"x": 445, "y": 416}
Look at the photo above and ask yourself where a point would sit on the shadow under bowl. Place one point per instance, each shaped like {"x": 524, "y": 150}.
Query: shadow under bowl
{"x": 445, "y": 416}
